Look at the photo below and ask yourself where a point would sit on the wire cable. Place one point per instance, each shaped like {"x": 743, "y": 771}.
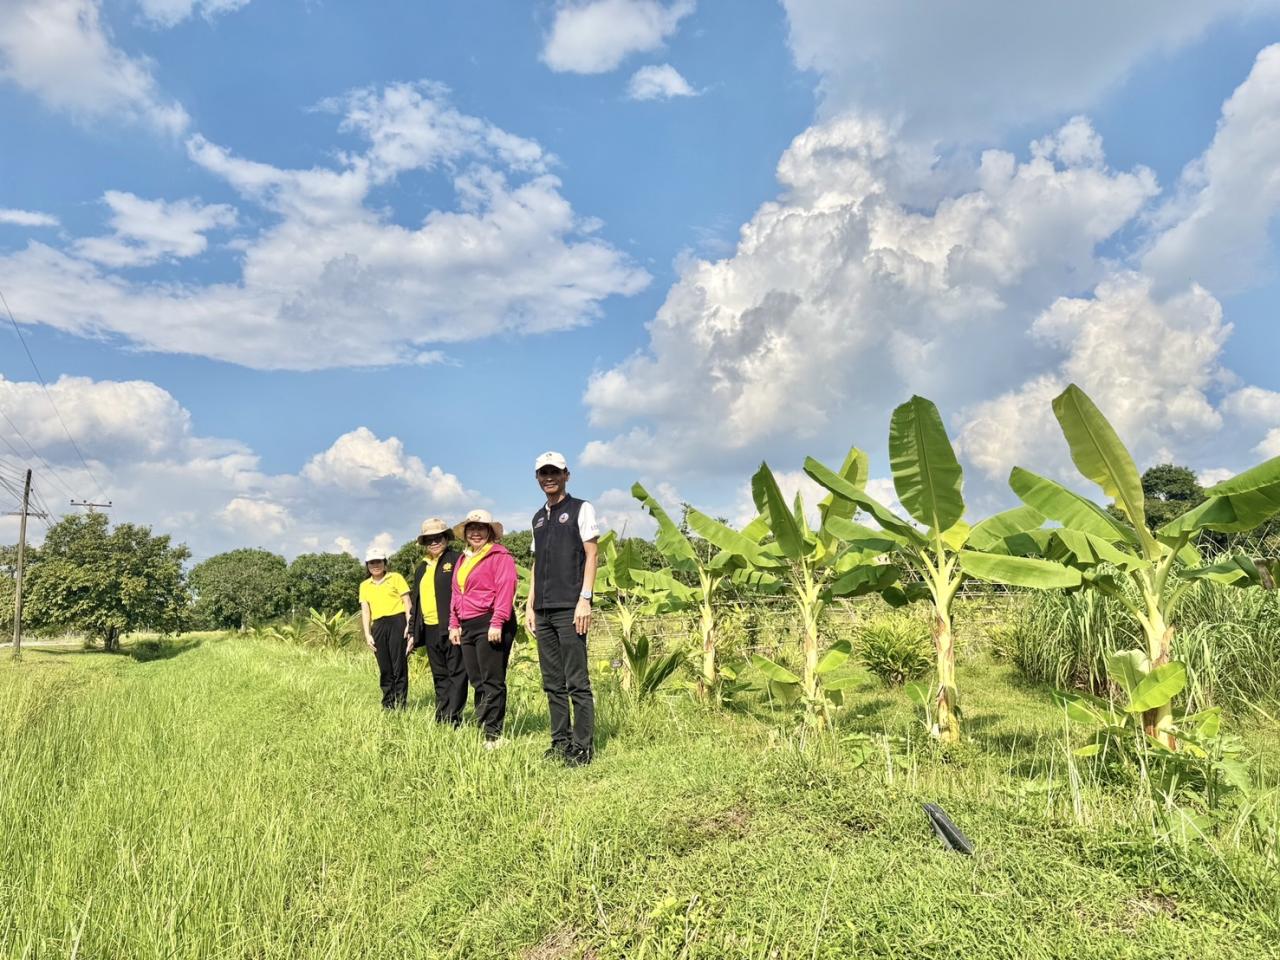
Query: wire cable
{"x": 44, "y": 386}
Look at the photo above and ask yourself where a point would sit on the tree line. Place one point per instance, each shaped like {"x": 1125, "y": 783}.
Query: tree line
{"x": 102, "y": 582}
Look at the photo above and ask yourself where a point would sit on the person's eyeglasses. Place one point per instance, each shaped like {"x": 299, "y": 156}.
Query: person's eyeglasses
{"x": 436, "y": 538}
{"x": 549, "y": 471}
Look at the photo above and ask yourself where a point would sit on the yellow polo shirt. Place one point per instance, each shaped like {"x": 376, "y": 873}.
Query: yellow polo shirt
{"x": 427, "y": 594}
{"x": 384, "y": 598}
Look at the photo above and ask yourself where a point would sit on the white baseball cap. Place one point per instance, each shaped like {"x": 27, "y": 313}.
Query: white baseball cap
{"x": 550, "y": 459}
{"x": 375, "y": 553}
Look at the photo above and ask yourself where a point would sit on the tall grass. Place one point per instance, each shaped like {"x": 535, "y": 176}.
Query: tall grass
{"x": 235, "y": 798}
{"x": 1229, "y": 639}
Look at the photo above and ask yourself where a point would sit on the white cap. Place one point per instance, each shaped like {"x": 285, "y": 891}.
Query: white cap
{"x": 550, "y": 459}
{"x": 375, "y": 553}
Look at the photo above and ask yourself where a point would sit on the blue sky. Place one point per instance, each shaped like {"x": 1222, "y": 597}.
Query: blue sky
{"x": 302, "y": 273}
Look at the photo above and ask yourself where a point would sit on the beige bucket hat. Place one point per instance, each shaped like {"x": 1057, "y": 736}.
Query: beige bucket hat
{"x": 478, "y": 516}
{"x": 431, "y": 527}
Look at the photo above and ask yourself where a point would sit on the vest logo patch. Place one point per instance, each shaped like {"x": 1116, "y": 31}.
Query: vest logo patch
{"x": 541, "y": 521}
{"x": 448, "y": 567}
{"x": 564, "y": 518}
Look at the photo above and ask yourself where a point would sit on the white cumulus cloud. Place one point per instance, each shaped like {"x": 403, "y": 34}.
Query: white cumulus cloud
{"x": 168, "y": 13}
{"x": 595, "y": 36}
{"x": 334, "y": 278}
{"x": 144, "y": 449}
{"x": 841, "y": 298}
{"x": 148, "y": 231}
{"x": 62, "y": 52}
{"x": 27, "y": 218}
{"x": 659, "y": 82}
{"x": 1216, "y": 229}
{"x": 965, "y": 70}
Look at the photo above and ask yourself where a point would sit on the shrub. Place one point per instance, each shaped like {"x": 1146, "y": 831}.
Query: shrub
{"x": 896, "y": 649}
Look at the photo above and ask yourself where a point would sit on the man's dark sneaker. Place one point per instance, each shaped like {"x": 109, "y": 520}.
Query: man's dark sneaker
{"x": 577, "y": 757}
{"x": 556, "y": 751}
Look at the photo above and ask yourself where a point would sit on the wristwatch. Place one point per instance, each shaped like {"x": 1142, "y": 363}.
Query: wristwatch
{"x": 585, "y": 594}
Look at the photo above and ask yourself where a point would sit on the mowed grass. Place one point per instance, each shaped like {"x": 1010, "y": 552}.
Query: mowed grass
{"x": 225, "y": 797}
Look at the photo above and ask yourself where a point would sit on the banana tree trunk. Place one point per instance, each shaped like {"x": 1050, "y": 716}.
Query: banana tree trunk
{"x": 810, "y": 656}
{"x": 947, "y": 723}
{"x": 707, "y": 679}
{"x": 1158, "y": 721}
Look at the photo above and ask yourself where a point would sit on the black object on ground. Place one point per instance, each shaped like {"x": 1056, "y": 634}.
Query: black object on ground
{"x": 951, "y": 836}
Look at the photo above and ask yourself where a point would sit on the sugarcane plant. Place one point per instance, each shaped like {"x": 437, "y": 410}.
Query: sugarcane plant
{"x": 1162, "y": 565}
{"x": 939, "y": 549}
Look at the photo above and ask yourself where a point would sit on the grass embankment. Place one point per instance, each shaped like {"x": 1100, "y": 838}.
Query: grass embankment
{"x": 233, "y": 798}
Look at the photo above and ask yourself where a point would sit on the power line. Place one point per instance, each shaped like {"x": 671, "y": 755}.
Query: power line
{"x": 44, "y": 386}
{"x": 42, "y": 460}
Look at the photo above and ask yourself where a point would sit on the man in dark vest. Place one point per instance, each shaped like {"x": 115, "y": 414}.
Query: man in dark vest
{"x": 429, "y": 623}
{"x": 565, "y": 535}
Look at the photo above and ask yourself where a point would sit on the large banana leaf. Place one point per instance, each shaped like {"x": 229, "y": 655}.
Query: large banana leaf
{"x": 1067, "y": 507}
{"x": 926, "y": 474}
{"x": 786, "y": 532}
{"x": 869, "y": 578}
{"x": 835, "y": 657}
{"x": 661, "y": 581}
{"x": 1098, "y": 453}
{"x": 882, "y": 515}
{"x": 1158, "y": 687}
{"x": 1228, "y": 513}
{"x": 1240, "y": 570}
{"x": 730, "y": 541}
{"x": 671, "y": 543}
{"x": 855, "y": 470}
{"x": 1018, "y": 571}
{"x": 1088, "y": 550}
{"x": 861, "y": 537}
{"x": 1265, "y": 474}
{"x": 1128, "y": 668}
{"x": 990, "y": 534}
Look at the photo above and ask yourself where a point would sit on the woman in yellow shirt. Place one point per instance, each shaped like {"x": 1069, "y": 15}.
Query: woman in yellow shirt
{"x": 384, "y": 612}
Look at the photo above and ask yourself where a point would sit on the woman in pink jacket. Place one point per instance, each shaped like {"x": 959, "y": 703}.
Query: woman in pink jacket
{"x": 482, "y": 617}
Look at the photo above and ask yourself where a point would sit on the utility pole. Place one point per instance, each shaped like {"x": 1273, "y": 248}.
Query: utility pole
{"x": 22, "y": 556}
{"x": 91, "y": 506}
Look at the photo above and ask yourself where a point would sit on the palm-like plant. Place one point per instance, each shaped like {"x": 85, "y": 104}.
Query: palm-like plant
{"x": 1161, "y": 565}
{"x": 940, "y": 548}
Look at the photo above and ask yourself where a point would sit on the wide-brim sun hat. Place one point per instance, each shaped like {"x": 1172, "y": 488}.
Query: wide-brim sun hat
{"x": 432, "y": 527}
{"x": 375, "y": 553}
{"x": 478, "y": 516}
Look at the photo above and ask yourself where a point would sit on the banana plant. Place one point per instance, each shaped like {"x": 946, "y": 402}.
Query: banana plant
{"x": 1163, "y": 564}
{"x": 679, "y": 552}
{"x": 636, "y": 593}
{"x": 813, "y": 566}
{"x": 939, "y": 547}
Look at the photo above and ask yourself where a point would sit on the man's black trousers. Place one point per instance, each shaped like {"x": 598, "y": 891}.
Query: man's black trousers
{"x": 448, "y": 673}
{"x": 486, "y": 665}
{"x": 393, "y": 663}
{"x": 562, "y": 653}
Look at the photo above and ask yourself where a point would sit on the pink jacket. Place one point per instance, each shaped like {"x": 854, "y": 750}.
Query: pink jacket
{"x": 491, "y": 589}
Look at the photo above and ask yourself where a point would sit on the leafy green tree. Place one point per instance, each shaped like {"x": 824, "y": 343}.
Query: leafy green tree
{"x": 329, "y": 582}
{"x": 240, "y": 588}
{"x": 106, "y": 582}
{"x": 1168, "y": 491}
{"x": 520, "y": 543}
{"x": 404, "y": 559}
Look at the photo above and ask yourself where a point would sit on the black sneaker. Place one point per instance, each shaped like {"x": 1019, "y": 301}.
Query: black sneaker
{"x": 556, "y": 751}
{"x": 577, "y": 757}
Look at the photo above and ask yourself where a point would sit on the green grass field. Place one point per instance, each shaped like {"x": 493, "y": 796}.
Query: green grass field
{"x": 225, "y": 797}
